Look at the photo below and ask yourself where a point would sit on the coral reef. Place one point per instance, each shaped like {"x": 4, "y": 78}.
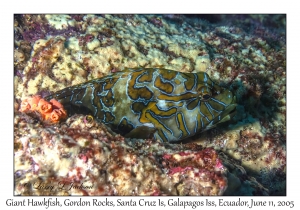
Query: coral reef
{"x": 245, "y": 53}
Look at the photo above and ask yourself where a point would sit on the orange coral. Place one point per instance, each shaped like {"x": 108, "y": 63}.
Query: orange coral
{"x": 33, "y": 101}
{"x": 63, "y": 113}
{"x": 56, "y": 104}
{"x": 52, "y": 111}
{"x": 25, "y": 106}
{"x": 44, "y": 106}
{"x": 57, "y": 114}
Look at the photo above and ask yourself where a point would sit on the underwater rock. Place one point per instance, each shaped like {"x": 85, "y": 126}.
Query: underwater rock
{"x": 83, "y": 153}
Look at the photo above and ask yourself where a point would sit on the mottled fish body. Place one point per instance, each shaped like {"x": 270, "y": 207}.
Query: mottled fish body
{"x": 135, "y": 102}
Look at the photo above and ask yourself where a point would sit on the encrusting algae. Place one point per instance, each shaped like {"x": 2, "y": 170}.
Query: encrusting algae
{"x": 51, "y": 112}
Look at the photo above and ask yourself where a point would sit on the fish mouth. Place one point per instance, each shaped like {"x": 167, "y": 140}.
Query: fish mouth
{"x": 228, "y": 113}
{"x": 232, "y": 110}
{"x": 232, "y": 113}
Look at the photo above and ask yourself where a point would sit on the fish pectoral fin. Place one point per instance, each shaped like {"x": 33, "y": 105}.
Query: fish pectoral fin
{"x": 141, "y": 132}
{"x": 228, "y": 113}
{"x": 224, "y": 119}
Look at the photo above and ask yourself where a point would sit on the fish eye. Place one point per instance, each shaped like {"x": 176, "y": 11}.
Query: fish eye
{"x": 206, "y": 97}
{"x": 205, "y": 93}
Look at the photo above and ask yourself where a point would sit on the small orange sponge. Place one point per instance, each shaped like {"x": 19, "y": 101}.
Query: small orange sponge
{"x": 52, "y": 111}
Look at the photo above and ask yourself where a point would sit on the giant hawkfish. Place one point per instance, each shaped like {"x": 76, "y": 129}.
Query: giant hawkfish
{"x": 151, "y": 102}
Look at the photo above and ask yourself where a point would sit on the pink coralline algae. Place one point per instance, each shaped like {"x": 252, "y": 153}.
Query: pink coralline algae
{"x": 45, "y": 57}
{"x": 83, "y": 40}
{"x": 156, "y": 21}
{"x": 32, "y": 28}
{"x": 196, "y": 167}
